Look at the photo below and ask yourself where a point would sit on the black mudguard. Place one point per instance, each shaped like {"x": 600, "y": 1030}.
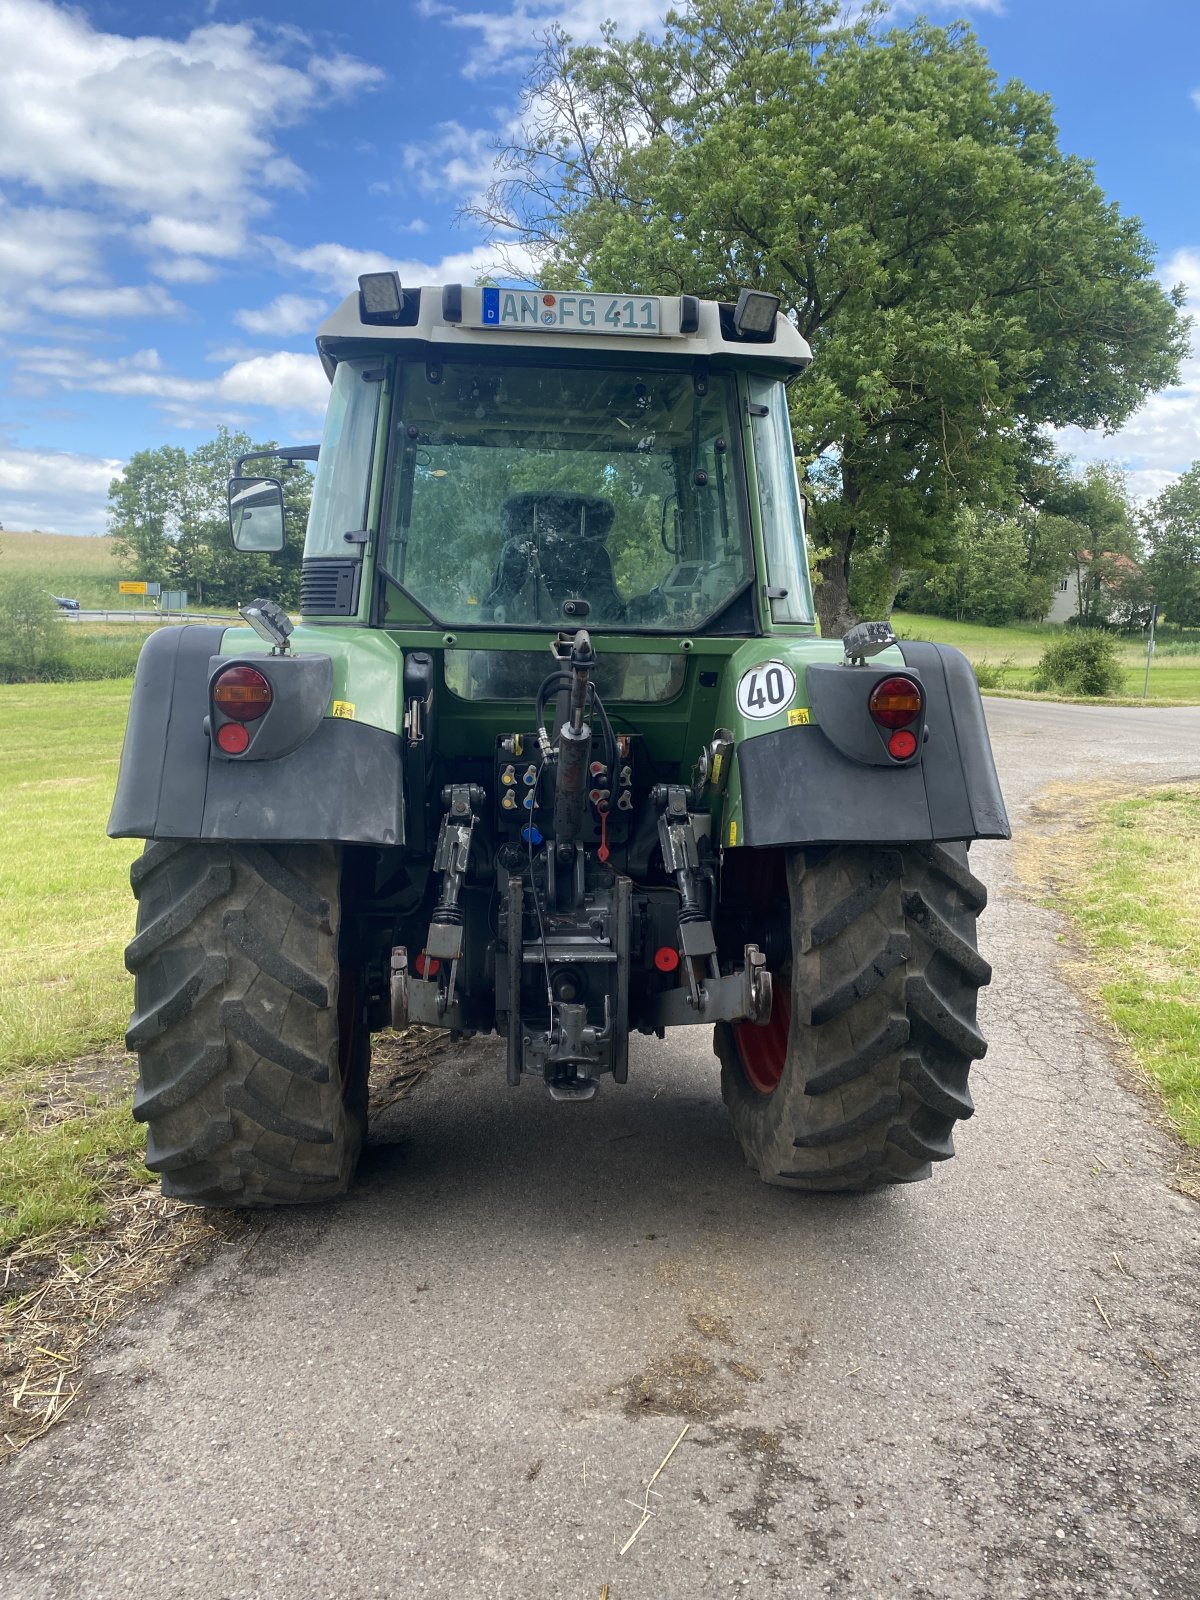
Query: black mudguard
{"x": 804, "y": 786}
{"x": 343, "y": 783}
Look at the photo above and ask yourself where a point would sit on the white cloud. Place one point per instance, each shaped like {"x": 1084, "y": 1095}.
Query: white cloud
{"x": 51, "y": 265}
{"x": 179, "y": 131}
{"x": 344, "y": 75}
{"x": 337, "y": 266}
{"x": 456, "y": 158}
{"x": 53, "y": 490}
{"x": 507, "y": 38}
{"x": 85, "y": 302}
{"x": 286, "y": 315}
{"x": 183, "y": 269}
{"x": 185, "y": 236}
{"x": 283, "y": 382}
{"x": 1162, "y": 438}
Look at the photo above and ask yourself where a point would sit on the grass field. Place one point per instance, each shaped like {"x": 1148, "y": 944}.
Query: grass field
{"x": 67, "y": 914}
{"x": 1174, "y": 676}
{"x": 82, "y": 568}
{"x": 1135, "y": 895}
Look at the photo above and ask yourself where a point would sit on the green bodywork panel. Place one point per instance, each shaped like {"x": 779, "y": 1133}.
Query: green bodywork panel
{"x": 368, "y": 665}
{"x": 795, "y": 714}
{"x": 367, "y": 668}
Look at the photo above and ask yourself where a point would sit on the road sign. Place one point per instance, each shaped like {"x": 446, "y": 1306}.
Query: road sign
{"x": 132, "y": 588}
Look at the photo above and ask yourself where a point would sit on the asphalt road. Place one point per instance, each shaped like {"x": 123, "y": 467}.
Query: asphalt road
{"x": 458, "y": 1382}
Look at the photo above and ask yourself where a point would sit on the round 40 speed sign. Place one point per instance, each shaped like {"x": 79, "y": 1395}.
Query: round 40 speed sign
{"x": 766, "y": 690}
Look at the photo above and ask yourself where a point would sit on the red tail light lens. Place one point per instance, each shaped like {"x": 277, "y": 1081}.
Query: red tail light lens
{"x": 895, "y": 702}
{"x": 902, "y": 744}
{"x": 241, "y": 693}
{"x": 232, "y": 738}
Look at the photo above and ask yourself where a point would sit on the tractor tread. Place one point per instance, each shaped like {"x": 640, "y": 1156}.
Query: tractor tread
{"x": 170, "y": 1159}
{"x": 156, "y": 854}
{"x": 194, "y": 986}
{"x": 244, "y": 932}
{"x": 269, "y": 1117}
{"x": 860, "y": 1062}
{"x": 923, "y": 1146}
{"x": 938, "y": 932}
{"x": 884, "y": 869}
{"x": 240, "y": 1051}
{"x": 864, "y": 983}
{"x": 941, "y": 1018}
{"x": 886, "y": 1106}
{"x": 285, "y": 882}
{"x": 883, "y": 1028}
{"x": 184, "y": 1086}
{"x": 181, "y": 914}
{"x": 933, "y": 1088}
{"x": 942, "y": 860}
{"x": 244, "y": 1025}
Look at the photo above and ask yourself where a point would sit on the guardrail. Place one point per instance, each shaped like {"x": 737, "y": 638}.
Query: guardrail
{"x": 155, "y": 618}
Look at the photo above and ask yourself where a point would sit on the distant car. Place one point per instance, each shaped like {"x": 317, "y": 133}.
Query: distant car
{"x": 64, "y": 604}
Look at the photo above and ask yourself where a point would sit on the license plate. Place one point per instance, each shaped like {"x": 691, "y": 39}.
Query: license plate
{"x": 544, "y": 311}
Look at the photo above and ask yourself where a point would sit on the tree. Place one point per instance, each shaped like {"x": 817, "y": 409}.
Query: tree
{"x": 168, "y": 520}
{"x": 999, "y": 569}
{"x": 26, "y": 618}
{"x": 1095, "y": 523}
{"x": 962, "y": 281}
{"x": 1172, "y": 528}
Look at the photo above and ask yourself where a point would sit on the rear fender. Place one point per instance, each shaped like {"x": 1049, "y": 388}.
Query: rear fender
{"x": 824, "y": 775}
{"x": 312, "y": 771}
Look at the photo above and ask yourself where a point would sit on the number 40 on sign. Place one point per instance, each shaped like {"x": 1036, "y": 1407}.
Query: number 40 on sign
{"x": 765, "y": 690}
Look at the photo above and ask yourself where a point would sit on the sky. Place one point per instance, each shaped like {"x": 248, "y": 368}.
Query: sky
{"x": 186, "y": 189}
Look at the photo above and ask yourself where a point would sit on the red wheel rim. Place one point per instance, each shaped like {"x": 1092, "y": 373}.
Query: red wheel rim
{"x": 762, "y": 1051}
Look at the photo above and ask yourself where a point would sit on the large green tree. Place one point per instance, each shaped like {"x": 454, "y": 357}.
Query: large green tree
{"x": 1172, "y": 529}
{"x": 962, "y": 281}
{"x": 168, "y": 520}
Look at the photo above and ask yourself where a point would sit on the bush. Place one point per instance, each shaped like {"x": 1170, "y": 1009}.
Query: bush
{"x": 1085, "y": 662}
{"x": 26, "y": 618}
{"x": 990, "y": 674}
{"x": 71, "y": 659}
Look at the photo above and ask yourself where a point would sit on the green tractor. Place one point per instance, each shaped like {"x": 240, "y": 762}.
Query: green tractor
{"x": 556, "y": 752}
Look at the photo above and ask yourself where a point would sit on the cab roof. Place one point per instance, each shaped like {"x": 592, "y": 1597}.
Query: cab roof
{"x": 458, "y": 317}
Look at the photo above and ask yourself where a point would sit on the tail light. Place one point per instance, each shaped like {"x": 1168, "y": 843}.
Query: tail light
{"x": 241, "y": 693}
{"x": 895, "y": 702}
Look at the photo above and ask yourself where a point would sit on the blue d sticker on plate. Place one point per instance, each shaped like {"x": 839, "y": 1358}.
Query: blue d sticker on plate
{"x": 491, "y": 307}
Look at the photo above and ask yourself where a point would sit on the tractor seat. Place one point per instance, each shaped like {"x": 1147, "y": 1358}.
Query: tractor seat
{"x": 554, "y": 550}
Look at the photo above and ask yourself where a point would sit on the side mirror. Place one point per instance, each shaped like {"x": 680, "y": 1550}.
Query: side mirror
{"x": 256, "y": 514}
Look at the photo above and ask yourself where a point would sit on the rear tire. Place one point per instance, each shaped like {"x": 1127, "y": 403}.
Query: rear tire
{"x": 252, "y": 1052}
{"x": 861, "y": 1073}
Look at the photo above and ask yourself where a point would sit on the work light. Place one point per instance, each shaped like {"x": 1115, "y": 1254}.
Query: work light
{"x": 380, "y": 297}
{"x": 269, "y": 621}
{"x": 755, "y": 311}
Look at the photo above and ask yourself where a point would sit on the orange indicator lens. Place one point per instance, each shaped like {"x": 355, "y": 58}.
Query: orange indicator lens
{"x": 895, "y": 702}
{"x": 241, "y": 693}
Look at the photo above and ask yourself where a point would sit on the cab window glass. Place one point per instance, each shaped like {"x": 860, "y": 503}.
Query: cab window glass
{"x": 518, "y": 489}
{"x": 343, "y": 482}
{"x": 780, "y": 504}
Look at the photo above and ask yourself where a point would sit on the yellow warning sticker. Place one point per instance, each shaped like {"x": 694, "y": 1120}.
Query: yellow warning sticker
{"x": 733, "y": 831}
{"x": 799, "y": 718}
{"x": 344, "y": 708}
